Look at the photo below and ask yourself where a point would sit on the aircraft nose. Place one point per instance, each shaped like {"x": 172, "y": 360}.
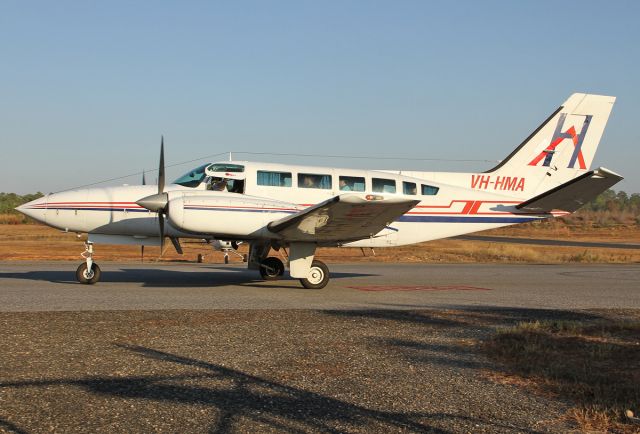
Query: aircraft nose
{"x": 36, "y": 209}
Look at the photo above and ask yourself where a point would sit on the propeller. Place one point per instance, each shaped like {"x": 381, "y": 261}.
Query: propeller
{"x": 158, "y": 202}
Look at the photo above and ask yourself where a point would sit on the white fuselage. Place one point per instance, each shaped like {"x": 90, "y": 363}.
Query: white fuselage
{"x": 111, "y": 214}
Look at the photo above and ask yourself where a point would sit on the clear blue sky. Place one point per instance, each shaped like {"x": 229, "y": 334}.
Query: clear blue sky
{"x": 87, "y": 88}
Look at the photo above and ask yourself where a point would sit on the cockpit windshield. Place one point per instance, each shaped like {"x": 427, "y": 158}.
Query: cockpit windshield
{"x": 192, "y": 178}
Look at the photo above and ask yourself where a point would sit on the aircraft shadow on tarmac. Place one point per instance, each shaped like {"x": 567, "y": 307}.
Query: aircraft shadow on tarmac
{"x": 238, "y": 395}
{"x": 159, "y": 278}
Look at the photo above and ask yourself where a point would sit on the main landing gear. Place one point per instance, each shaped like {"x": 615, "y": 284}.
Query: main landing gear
{"x": 88, "y": 272}
{"x": 272, "y": 268}
{"x": 318, "y": 276}
{"x": 313, "y": 274}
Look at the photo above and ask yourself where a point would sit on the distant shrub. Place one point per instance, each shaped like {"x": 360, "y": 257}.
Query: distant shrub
{"x": 9, "y": 201}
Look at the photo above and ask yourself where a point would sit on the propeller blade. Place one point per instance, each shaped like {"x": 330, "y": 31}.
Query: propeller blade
{"x": 161, "y": 168}
{"x": 176, "y": 244}
{"x": 161, "y": 221}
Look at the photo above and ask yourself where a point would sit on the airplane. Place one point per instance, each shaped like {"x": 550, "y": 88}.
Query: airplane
{"x": 296, "y": 209}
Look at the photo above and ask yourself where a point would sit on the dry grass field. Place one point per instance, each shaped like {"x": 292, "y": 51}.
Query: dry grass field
{"x": 594, "y": 364}
{"x": 39, "y": 242}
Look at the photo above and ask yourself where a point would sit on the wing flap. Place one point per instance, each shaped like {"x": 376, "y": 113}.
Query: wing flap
{"x": 573, "y": 194}
{"x": 343, "y": 218}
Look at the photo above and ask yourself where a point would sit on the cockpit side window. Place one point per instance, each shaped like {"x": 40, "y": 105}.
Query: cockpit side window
{"x": 226, "y": 177}
{"x": 193, "y": 178}
{"x": 222, "y": 167}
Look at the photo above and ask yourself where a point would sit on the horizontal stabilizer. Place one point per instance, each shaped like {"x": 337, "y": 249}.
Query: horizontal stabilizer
{"x": 344, "y": 218}
{"x": 573, "y": 194}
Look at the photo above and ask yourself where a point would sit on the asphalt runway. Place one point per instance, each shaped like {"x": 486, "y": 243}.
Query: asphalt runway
{"x": 210, "y": 348}
{"x": 35, "y": 286}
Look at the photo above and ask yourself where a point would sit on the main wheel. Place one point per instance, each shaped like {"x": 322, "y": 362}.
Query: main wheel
{"x": 86, "y": 276}
{"x": 271, "y": 269}
{"x": 318, "y": 276}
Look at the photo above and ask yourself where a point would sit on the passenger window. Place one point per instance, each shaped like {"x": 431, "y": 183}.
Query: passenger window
{"x": 274, "y": 179}
{"x": 351, "y": 183}
{"x": 429, "y": 190}
{"x": 311, "y": 180}
{"x": 381, "y": 185}
{"x": 409, "y": 188}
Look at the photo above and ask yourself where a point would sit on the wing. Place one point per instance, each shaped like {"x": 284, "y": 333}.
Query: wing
{"x": 344, "y": 218}
{"x": 573, "y": 194}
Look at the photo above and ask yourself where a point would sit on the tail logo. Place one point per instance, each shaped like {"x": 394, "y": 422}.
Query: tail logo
{"x": 558, "y": 137}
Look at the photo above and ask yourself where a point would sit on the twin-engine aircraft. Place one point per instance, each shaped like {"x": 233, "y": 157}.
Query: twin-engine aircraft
{"x": 301, "y": 208}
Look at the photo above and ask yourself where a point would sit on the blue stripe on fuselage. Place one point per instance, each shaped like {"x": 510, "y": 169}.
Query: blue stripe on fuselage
{"x": 470, "y": 219}
{"x": 239, "y": 210}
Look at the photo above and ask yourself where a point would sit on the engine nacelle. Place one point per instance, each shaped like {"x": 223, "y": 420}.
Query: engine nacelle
{"x": 225, "y": 214}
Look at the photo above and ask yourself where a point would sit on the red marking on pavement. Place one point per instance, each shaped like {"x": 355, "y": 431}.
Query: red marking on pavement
{"x": 418, "y": 288}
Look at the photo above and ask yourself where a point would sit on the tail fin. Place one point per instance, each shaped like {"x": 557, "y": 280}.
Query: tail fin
{"x": 563, "y": 147}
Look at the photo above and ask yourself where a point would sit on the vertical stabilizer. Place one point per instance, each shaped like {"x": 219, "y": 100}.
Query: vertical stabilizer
{"x": 562, "y": 147}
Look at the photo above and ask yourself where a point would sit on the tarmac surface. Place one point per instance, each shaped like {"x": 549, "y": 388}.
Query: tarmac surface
{"x": 152, "y": 286}
{"x": 210, "y": 348}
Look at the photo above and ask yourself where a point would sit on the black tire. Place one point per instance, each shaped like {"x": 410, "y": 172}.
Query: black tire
{"x": 318, "y": 276}
{"x": 88, "y": 278}
{"x": 226, "y": 259}
{"x": 271, "y": 269}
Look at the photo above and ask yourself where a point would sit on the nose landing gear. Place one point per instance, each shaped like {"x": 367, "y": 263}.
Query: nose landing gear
{"x": 88, "y": 272}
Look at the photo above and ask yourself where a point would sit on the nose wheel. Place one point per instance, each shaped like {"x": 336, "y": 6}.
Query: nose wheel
{"x": 88, "y": 272}
{"x": 87, "y": 275}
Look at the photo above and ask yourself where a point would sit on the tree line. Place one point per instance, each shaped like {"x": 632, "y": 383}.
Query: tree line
{"x": 611, "y": 200}
{"x": 8, "y": 201}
